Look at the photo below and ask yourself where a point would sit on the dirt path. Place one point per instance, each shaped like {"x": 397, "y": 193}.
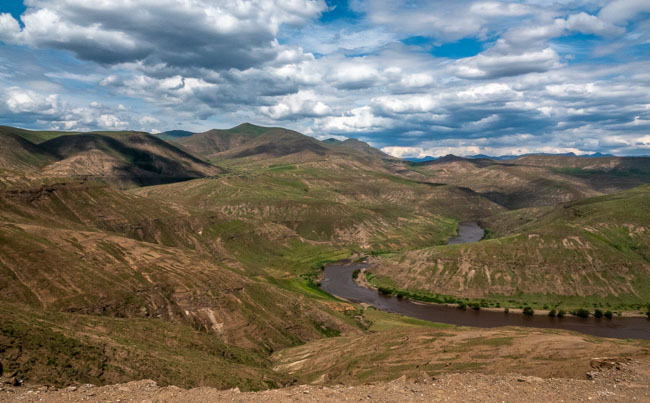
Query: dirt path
{"x": 611, "y": 381}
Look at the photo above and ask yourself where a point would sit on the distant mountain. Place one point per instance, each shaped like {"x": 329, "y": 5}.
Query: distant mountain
{"x": 276, "y": 143}
{"x": 260, "y": 143}
{"x": 209, "y": 144}
{"x": 508, "y": 157}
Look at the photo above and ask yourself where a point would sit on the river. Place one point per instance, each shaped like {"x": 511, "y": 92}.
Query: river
{"x": 338, "y": 281}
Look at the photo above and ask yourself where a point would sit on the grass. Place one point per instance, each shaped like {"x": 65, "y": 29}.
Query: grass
{"x": 382, "y": 321}
{"x": 63, "y": 349}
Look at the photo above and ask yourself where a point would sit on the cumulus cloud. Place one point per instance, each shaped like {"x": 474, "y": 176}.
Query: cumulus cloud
{"x": 224, "y": 34}
{"x": 302, "y": 104}
{"x": 533, "y": 83}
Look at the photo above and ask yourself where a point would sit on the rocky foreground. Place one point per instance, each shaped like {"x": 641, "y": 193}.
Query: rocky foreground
{"x": 610, "y": 380}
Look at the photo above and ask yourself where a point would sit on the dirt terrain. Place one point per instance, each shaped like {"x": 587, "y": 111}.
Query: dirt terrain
{"x": 608, "y": 380}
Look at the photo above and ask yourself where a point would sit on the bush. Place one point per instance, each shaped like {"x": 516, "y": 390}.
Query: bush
{"x": 475, "y": 306}
{"x": 598, "y": 313}
{"x": 561, "y": 313}
{"x": 608, "y": 314}
{"x": 355, "y": 274}
{"x": 462, "y": 305}
{"x": 581, "y": 313}
{"x": 507, "y": 310}
{"x": 528, "y": 311}
{"x": 552, "y": 313}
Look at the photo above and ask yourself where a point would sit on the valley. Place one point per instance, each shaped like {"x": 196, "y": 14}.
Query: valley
{"x": 203, "y": 260}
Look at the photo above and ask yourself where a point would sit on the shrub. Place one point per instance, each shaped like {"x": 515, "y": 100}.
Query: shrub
{"x": 561, "y": 313}
{"x": 528, "y": 311}
{"x": 598, "y": 313}
{"x": 355, "y": 274}
{"x": 462, "y": 305}
{"x": 552, "y": 313}
{"x": 475, "y": 306}
{"x": 507, "y": 310}
{"x": 581, "y": 313}
{"x": 608, "y": 314}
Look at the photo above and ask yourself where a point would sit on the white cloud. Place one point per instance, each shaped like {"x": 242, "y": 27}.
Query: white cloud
{"x": 359, "y": 119}
{"x": 303, "y": 104}
{"x": 621, "y": 11}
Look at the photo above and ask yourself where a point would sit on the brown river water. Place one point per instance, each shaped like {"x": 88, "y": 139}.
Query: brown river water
{"x": 338, "y": 281}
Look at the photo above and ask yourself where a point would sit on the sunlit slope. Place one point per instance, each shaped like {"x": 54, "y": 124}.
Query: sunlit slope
{"x": 597, "y": 247}
{"x": 208, "y": 144}
{"x": 397, "y": 346}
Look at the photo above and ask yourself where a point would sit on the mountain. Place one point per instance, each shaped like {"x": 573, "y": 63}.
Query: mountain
{"x": 173, "y": 134}
{"x": 258, "y": 143}
{"x": 20, "y": 155}
{"x": 126, "y": 158}
{"x": 509, "y": 157}
{"x": 537, "y": 180}
{"x": 362, "y": 148}
{"x": 208, "y": 144}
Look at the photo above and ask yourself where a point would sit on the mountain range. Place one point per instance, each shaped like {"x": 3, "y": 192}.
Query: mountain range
{"x": 194, "y": 258}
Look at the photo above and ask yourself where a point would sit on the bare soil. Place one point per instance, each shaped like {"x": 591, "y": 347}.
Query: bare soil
{"x": 609, "y": 380}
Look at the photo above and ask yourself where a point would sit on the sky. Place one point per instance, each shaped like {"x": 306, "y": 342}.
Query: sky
{"x": 414, "y": 78}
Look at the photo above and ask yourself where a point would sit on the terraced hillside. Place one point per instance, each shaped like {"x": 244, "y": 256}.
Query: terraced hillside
{"x": 595, "y": 250}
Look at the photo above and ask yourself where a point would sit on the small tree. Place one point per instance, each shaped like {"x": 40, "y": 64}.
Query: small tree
{"x": 598, "y": 313}
{"x": 462, "y": 305}
{"x": 561, "y": 313}
{"x": 528, "y": 311}
{"x": 552, "y": 313}
{"x": 608, "y": 314}
{"x": 581, "y": 313}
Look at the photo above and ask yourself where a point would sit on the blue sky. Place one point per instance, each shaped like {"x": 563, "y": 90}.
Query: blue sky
{"x": 414, "y": 78}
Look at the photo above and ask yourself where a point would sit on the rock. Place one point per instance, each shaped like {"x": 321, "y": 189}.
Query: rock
{"x": 17, "y": 382}
{"x": 608, "y": 363}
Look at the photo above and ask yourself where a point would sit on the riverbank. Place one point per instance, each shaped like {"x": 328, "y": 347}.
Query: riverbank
{"x": 362, "y": 280}
{"x": 338, "y": 280}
